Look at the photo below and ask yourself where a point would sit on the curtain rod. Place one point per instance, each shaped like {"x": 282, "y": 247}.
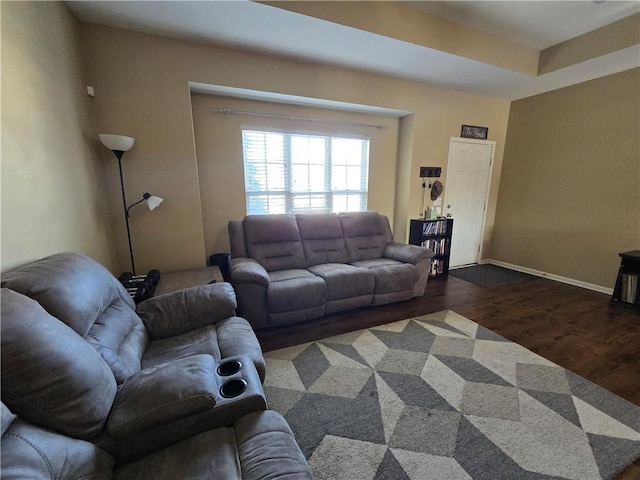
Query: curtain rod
{"x": 228, "y": 111}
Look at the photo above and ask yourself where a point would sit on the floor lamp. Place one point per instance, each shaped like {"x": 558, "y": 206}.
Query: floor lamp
{"x": 119, "y": 144}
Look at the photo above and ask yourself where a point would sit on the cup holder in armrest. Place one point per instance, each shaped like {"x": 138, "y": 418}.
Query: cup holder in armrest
{"x": 233, "y": 388}
{"x": 229, "y": 368}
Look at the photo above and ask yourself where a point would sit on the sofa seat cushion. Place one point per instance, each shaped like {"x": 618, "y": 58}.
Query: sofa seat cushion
{"x": 345, "y": 281}
{"x": 211, "y": 454}
{"x": 202, "y": 340}
{"x": 391, "y": 275}
{"x": 295, "y": 289}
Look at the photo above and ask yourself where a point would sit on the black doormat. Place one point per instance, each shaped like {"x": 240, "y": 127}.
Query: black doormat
{"x": 490, "y": 276}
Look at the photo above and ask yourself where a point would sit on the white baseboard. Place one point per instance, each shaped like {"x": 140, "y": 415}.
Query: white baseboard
{"x": 550, "y": 276}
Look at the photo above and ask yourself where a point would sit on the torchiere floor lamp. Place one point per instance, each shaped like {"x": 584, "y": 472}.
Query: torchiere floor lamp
{"x": 119, "y": 144}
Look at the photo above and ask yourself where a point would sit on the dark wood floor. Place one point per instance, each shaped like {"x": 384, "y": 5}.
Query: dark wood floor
{"x": 571, "y": 326}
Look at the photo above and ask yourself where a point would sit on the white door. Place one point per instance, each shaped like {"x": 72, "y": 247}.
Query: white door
{"x": 465, "y": 196}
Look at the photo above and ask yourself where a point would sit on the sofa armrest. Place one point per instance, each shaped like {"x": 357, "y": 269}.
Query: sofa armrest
{"x": 184, "y": 310}
{"x": 162, "y": 394}
{"x": 406, "y": 253}
{"x": 266, "y": 435}
{"x": 247, "y": 270}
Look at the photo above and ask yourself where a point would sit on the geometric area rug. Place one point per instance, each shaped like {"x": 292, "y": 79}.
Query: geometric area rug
{"x": 441, "y": 397}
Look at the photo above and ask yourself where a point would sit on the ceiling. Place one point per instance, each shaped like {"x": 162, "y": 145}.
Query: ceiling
{"x": 538, "y": 24}
{"x": 270, "y": 30}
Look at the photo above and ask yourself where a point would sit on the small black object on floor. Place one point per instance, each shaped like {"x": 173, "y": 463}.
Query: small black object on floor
{"x": 140, "y": 287}
{"x": 490, "y": 276}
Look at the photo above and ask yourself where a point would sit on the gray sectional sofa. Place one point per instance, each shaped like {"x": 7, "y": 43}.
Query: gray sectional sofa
{"x": 170, "y": 389}
{"x": 258, "y": 446}
{"x": 292, "y": 268}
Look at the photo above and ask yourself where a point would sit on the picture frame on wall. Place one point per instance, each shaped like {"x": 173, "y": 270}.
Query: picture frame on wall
{"x": 472, "y": 131}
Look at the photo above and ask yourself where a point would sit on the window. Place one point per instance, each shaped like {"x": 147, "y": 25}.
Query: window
{"x": 302, "y": 173}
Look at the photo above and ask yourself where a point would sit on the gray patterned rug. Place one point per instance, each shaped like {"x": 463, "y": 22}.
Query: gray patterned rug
{"x": 440, "y": 397}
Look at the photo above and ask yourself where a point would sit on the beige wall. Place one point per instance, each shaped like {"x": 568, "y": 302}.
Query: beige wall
{"x": 570, "y": 191}
{"x": 220, "y": 164}
{"x": 53, "y": 194}
{"x": 142, "y": 90}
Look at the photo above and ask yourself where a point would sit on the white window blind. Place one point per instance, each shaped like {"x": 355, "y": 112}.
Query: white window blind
{"x": 302, "y": 173}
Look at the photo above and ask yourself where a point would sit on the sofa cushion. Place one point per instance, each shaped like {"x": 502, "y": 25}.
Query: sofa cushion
{"x": 50, "y": 375}
{"x": 364, "y": 234}
{"x": 391, "y": 275}
{"x": 344, "y": 281}
{"x": 72, "y": 287}
{"x": 274, "y": 241}
{"x": 322, "y": 238}
{"x": 298, "y": 289}
{"x": 35, "y": 453}
{"x": 119, "y": 336}
{"x": 202, "y": 340}
{"x": 83, "y": 294}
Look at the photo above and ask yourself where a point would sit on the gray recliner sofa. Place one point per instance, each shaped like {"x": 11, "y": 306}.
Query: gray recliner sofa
{"x": 292, "y": 268}
{"x": 80, "y": 360}
{"x": 258, "y": 446}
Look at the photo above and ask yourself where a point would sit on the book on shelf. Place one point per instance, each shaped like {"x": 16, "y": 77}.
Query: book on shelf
{"x": 629, "y": 287}
{"x": 437, "y": 267}
{"x": 435, "y": 227}
{"x": 437, "y": 245}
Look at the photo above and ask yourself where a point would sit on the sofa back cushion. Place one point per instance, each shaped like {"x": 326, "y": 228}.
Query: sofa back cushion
{"x": 322, "y": 238}
{"x": 84, "y": 295}
{"x": 50, "y": 375}
{"x": 32, "y": 452}
{"x": 365, "y": 234}
{"x": 274, "y": 241}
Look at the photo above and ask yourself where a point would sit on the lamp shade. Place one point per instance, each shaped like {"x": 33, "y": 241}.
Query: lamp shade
{"x": 153, "y": 202}
{"x": 118, "y": 143}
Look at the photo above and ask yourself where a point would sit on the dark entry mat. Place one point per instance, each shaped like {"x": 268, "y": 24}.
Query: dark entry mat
{"x": 490, "y": 276}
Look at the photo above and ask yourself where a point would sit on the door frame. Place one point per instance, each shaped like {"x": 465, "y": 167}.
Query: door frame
{"x": 492, "y": 144}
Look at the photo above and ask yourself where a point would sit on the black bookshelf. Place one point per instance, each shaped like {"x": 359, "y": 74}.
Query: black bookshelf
{"x": 627, "y": 290}
{"x": 435, "y": 235}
